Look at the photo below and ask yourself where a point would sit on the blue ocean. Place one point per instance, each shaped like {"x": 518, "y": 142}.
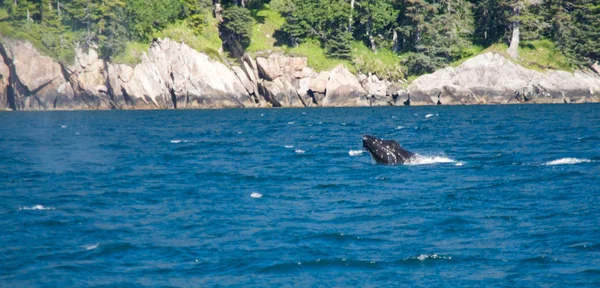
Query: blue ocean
{"x": 500, "y": 196}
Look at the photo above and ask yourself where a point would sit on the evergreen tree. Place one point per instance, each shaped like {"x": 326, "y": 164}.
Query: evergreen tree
{"x": 236, "y": 28}
{"x": 583, "y": 45}
{"x": 338, "y": 45}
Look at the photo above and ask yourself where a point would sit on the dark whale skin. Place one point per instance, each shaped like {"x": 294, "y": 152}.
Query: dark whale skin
{"x": 387, "y": 152}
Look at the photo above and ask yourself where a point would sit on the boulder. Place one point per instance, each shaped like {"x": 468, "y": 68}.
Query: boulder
{"x": 491, "y": 78}
{"x": 343, "y": 89}
{"x": 281, "y": 93}
{"x": 268, "y": 68}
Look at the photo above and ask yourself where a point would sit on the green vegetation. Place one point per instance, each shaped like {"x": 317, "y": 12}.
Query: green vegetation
{"x": 268, "y": 23}
{"x": 391, "y": 38}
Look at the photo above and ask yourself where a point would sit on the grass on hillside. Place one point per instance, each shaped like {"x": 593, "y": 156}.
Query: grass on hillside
{"x": 539, "y": 55}
{"x": 264, "y": 32}
{"x": 132, "y": 54}
{"x": 542, "y": 55}
{"x": 34, "y": 34}
{"x": 206, "y": 41}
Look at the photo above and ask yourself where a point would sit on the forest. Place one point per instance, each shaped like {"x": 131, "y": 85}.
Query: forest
{"x": 423, "y": 35}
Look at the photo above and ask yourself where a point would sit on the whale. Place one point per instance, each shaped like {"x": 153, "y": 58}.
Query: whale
{"x": 386, "y": 152}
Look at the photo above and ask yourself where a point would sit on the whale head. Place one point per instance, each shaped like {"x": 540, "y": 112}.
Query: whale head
{"x": 386, "y": 152}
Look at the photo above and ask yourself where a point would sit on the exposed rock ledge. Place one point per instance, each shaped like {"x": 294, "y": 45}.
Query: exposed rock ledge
{"x": 172, "y": 75}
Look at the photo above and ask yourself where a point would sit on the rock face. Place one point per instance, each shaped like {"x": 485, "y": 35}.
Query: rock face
{"x": 4, "y": 74}
{"x": 491, "y": 78}
{"x": 343, "y": 89}
{"x": 172, "y": 75}
{"x": 36, "y": 81}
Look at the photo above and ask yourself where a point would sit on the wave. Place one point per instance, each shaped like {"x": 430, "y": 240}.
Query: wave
{"x": 567, "y": 161}
{"x": 428, "y": 115}
{"x": 90, "y": 246}
{"x": 300, "y": 151}
{"x": 425, "y": 160}
{"x": 256, "y": 195}
{"x": 37, "y": 207}
{"x": 355, "y": 152}
{"x": 426, "y": 257}
{"x": 289, "y": 146}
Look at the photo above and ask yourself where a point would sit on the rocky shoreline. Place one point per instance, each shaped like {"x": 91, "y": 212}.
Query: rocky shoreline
{"x": 171, "y": 75}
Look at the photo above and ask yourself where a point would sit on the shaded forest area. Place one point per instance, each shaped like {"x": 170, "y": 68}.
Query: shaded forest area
{"x": 424, "y": 34}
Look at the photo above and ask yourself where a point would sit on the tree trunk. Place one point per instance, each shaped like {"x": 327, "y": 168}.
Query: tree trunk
{"x": 513, "y": 50}
{"x": 218, "y": 11}
{"x": 395, "y": 41}
{"x": 351, "y": 11}
{"x": 371, "y": 38}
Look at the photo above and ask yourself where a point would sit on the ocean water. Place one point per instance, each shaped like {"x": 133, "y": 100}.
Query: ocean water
{"x": 500, "y": 196}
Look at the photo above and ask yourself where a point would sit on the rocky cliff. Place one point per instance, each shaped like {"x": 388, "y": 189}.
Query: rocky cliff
{"x": 172, "y": 75}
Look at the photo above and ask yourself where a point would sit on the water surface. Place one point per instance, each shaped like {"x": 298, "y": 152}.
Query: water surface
{"x": 503, "y": 196}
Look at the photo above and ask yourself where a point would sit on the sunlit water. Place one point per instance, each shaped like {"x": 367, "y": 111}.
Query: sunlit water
{"x": 500, "y": 196}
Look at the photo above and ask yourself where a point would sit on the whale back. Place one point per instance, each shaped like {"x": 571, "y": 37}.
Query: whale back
{"x": 386, "y": 151}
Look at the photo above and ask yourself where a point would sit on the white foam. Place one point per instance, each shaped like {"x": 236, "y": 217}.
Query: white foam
{"x": 176, "y": 141}
{"x": 90, "y": 246}
{"x": 428, "y": 115}
{"x": 460, "y": 164}
{"x": 262, "y": 115}
{"x": 424, "y": 257}
{"x": 567, "y": 161}
{"x": 77, "y": 133}
{"x": 355, "y": 152}
{"x": 425, "y": 160}
{"x": 399, "y": 127}
{"x": 299, "y": 151}
{"x": 63, "y": 126}
{"x": 256, "y": 195}
{"x": 291, "y": 123}
{"x": 36, "y": 207}
{"x": 289, "y": 146}
{"x": 240, "y": 132}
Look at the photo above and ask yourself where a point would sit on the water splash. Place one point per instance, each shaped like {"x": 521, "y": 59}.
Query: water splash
{"x": 567, "y": 161}
{"x": 37, "y": 207}
{"x": 425, "y": 160}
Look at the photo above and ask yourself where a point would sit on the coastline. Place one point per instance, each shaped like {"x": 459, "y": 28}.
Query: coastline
{"x": 174, "y": 76}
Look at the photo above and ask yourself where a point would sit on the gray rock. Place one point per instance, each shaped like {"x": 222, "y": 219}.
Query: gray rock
{"x": 38, "y": 81}
{"x": 4, "y": 76}
{"x": 343, "y": 89}
{"x": 491, "y": 78}
{"x": 318, "y": 84}
{"x": 268, "y": 68}
{"x": 172, "y": 75}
